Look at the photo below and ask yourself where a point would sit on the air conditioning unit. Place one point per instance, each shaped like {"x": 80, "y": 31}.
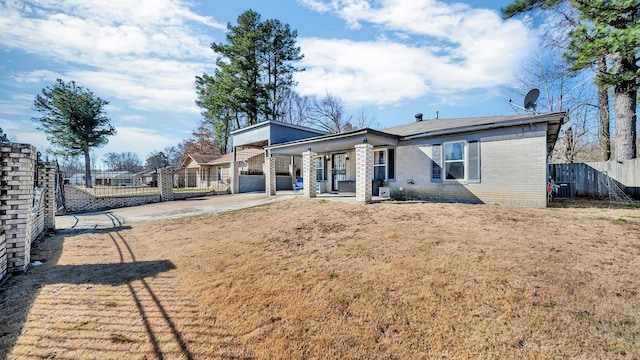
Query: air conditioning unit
{"x": 384, "y": 192}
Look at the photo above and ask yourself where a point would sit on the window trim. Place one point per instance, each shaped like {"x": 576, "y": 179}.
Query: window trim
{"x": 387, "y": 163}
{"x": 464, "y": 161}
{"x": 439, "y": 162}
{"x": 323, "y": 161}
{"x": 384, "y": 165}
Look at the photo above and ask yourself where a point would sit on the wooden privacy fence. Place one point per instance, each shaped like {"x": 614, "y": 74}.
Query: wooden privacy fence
{"x": 596, "y": 179}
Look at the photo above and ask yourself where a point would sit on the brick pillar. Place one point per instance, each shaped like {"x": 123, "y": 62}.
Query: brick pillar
{"x": 47, "y": 173}
{"x": 309, "y": 173}
{"x": 165, "y": 184}
{"x": 269, "y": 170}
{"x": 364, "y": 172}
{"x": 17, "y": 164}
{"x": 3, "y": 255}
{"x": 234, "y": 176}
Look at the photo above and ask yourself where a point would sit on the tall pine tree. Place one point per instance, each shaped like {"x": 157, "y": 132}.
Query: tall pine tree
{"x": 74, "y": 120}
{"x": 254, "y": 74}
{"x": 613, "y": 31}
{"x": 609, "y": 32}
{"x": 572, "y": 20}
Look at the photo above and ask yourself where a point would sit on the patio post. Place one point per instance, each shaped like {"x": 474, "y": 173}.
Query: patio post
{"x": 234, "y": 176}
{"x": 364, "y": 172}
{"x": 292, "y": 169}
{"x": 309, "y": 173}
{"x": 269, "y": 169}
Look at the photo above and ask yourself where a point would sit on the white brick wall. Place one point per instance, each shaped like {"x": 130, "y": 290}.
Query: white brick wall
{"x": 512, "y": 164}
{"x": 77, "y": 200}
{"x": 17, "y": 164}
{"x": 3, "y": 255}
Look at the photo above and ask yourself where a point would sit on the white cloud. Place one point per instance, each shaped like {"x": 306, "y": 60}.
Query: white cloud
{"x": 315, "y": 5}
{"x": 145, "y": 52}
{"x": 17, "y": 104}
{"x": 36, "y": 76}
{"x": 463, "y": 49}
{"x": 137, "y": 140}
{"x": 24, "y": 132}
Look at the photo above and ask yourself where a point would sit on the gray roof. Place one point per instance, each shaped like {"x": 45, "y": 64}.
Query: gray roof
{"x": 439, "y": 126}
{"x": 428, "y": 129}
{"x": 277, "y": 123}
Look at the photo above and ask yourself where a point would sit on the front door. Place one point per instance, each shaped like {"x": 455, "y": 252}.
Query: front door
{"x": 339, "y": 170}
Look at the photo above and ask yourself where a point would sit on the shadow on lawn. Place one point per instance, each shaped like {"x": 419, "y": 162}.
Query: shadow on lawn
{"x": 589, "y": 203}
{"x": 20, "y": 292}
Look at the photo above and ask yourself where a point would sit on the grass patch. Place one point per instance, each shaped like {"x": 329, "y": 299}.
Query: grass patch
{"x": 419, "y": 280}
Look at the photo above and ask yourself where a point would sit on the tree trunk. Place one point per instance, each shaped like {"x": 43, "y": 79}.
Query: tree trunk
{"x": 603, "y": 106}
{"x": 624, "y": 105}
{"x": 87, "y": 169}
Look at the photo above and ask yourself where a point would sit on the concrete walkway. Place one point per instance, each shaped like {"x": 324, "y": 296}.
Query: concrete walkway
{"x": 167, "y": 210}
{"x": 181, "y": 208}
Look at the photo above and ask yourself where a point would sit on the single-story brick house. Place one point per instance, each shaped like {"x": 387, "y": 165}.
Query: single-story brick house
{"x": 497, "y": 159}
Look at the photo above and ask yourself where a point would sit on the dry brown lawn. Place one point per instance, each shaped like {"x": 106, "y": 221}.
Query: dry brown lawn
{"x": 308, "y": 279}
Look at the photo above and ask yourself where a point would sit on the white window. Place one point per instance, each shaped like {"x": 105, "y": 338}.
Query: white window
{"x": 384, "y": 164}
{"x": 320, "y": 174}
{"x": 456, "y": 161}
{"x": 380, "y": 164}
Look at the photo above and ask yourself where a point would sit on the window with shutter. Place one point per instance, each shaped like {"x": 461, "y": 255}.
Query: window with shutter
{"x": 474, "y": 161}
{"x": 436, "y": 163}
{"x": 455, "y": 161}
{"x": 391, "y": 168}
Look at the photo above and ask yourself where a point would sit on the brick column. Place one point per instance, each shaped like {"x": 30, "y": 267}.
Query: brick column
{"x": 47, "y": 173}
{"x": 165, "y": 184}
{"x": 234, "y": 176}
{"x": 364, "y": 172}
{"x": 17, "y": 165}
{"x": 309, "y": 173}
{"x": 3, "y": 255}
{"x": 269, "y": 170}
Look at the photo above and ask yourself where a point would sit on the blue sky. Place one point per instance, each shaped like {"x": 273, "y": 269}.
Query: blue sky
{"x": 387, "y": 58}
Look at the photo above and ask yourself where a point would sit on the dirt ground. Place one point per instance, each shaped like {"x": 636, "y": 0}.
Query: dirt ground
{"x": 316, "y": 279}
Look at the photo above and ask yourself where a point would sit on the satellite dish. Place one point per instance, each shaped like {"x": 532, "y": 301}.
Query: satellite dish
{"x": 531, "y": 100}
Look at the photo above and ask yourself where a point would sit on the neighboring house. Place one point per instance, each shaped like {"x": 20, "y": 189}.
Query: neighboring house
{"x": 498, "y": 159}
{"x": 105, "y": 178}
{"x": 149, "y": 178}
{"x": 195, "y": 164}
{"x": 210, "y": 171}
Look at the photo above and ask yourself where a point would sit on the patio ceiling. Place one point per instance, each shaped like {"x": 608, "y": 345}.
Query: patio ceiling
{"x": 335, "y": 142}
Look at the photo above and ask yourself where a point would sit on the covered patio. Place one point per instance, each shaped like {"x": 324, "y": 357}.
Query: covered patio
{"x": 342, "y": 164}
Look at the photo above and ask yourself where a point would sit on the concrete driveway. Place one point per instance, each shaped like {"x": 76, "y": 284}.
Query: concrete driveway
{"x": 167, "y": 210}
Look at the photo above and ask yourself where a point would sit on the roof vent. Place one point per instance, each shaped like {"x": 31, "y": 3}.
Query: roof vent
{"x": 418, "y": 117}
